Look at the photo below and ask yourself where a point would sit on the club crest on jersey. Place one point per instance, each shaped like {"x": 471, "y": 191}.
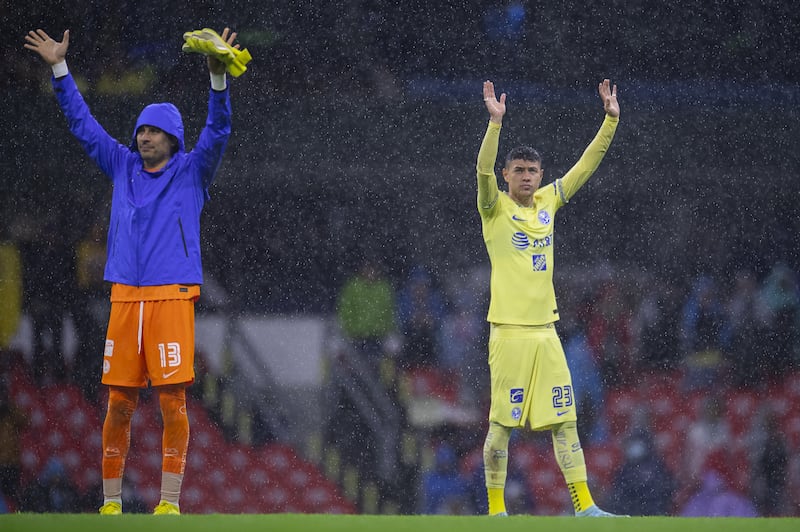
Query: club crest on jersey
{"x": 516, "y": 412}
{"x": 544, "y": 217}
{"x": 539, "y": 263}
{"x": 516, "y": 395}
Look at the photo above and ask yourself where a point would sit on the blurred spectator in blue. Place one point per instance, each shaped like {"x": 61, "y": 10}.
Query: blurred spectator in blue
{"x": 420, "y": 311}
{"x": 701, "y": 334}
{"x": 744, "y": 329}
{"x": 643, "y": 485}
{"x": 782, "y": 298}
{"x": 715, "y": 496}
{"x": 464, "y": 335}
{"x": 460, "y": 353}
{"x": 587, "y": 381}
{"x": 52, "y": 491}
{"x": 444, "y": 490}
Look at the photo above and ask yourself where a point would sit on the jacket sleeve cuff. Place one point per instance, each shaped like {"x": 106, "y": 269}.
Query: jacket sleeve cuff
{"x": 218, "y": 82}
{"x": 60, "y": 69}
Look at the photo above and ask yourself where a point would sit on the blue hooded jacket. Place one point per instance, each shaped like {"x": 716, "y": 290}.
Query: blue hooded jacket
{"x": 154, "y": 231}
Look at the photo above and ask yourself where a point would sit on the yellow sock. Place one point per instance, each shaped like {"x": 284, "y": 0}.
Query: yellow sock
{"x": 497, "y": 500}
{"x": 495, "y": 465}
{"x": 581, "y": 497}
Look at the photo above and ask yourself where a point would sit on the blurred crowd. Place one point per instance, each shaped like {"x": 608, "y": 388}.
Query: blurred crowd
{"x": 711, "y": 375}
{"x": 348, "y": 190}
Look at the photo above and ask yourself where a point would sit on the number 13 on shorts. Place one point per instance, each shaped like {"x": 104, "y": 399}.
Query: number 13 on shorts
{"x": 170, "y": 354}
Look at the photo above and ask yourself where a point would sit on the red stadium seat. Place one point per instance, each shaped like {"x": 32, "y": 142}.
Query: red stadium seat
{"x": 741, "y": 409}
{"x": 620, "y": 408}
{"x": 602, "y": 462}
{"x": 791, "y": 427}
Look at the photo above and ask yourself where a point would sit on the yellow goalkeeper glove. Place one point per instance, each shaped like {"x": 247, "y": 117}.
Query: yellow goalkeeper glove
{"x": 208, "y": 42}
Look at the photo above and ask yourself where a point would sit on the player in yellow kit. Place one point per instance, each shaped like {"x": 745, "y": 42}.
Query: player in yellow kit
{"x": 530, "y": 380}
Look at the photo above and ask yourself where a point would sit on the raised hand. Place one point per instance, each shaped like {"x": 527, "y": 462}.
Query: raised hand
{"x": 496, "y": 108}
{"x": 609, "y": 96}
{"x": 215, "y": 66}
{"x": 51, "y": 51}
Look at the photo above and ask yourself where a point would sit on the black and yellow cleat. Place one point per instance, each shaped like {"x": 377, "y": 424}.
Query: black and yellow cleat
{"x": 209, "y": 42}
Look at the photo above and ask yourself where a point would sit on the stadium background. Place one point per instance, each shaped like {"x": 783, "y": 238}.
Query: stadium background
{"x": 357, "y": 124}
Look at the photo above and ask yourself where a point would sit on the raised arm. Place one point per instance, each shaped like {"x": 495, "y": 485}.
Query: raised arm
{"x": 580, "y": 173}
{"x": 487, "y": 156}
{"x": 213, "y": 139}
{"x": 99, "y": 145}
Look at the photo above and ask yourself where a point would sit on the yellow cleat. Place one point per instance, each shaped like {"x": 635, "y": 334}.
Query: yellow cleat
{"x": 209, "y": 42}
{"x": 166, "y": 508}
{"x": 111, "y": 508}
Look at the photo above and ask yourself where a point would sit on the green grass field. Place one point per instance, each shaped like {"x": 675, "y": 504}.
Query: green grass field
{"x": 369, "y": 523}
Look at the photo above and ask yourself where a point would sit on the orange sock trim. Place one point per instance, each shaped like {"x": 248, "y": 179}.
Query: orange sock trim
{"x": 117, "y": 429}
{"x": 175, "y": 441}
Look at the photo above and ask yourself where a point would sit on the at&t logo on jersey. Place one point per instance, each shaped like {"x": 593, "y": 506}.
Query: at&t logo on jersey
{"x": 516, "y": 395}
{"x": 520, "y": 240}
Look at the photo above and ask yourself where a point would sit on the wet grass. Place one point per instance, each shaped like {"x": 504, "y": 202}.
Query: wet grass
{"x": 369, "y": 523}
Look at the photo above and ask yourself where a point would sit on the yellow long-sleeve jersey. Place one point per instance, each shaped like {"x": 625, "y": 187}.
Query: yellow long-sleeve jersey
{"x": 519, "y": 239}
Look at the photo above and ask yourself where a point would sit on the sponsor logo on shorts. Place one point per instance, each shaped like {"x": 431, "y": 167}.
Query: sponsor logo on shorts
{"x": 562, "y": 412}
{"x": 516, "y": 395}
{"x": 109, "y": 350}
{"x": 106, "y": 366}
{"x": 516, "y": 412}
{"x": 170, "y": 374}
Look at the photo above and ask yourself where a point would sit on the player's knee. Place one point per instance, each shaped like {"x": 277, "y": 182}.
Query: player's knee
{"x": 173, "y": 403}
{"x": 563, "y": 428}
{"x": 496, "y": 444}
{"x": 122, "y": 403}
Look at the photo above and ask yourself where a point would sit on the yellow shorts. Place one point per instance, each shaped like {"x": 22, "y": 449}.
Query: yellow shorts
{"x": 150, "y": 335}
{"x": 530, "y": 378}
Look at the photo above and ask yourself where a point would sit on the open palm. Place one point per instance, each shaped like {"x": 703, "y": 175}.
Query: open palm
{"x": 496, "y": 108}
{"x": 50, "y": 50}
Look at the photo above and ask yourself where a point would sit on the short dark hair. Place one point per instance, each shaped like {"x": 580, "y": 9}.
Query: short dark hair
{"x": 526, "y": 153}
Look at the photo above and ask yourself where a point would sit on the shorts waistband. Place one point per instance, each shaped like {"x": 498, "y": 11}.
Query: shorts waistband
{"x": 500, "y": 330}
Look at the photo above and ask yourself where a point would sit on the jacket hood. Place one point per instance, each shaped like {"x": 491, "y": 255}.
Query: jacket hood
{"x": 164, "y": 116}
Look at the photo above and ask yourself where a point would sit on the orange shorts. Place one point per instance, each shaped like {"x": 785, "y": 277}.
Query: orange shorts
{"x": 150, "y": 335}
